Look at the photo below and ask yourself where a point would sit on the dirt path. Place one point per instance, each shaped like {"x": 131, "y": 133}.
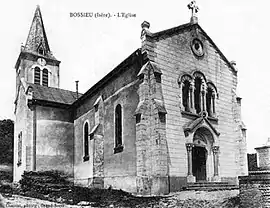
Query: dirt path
{"x": 183, "y": 199}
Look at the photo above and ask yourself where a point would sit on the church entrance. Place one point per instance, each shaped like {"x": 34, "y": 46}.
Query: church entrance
{"x": 199, "y": 157}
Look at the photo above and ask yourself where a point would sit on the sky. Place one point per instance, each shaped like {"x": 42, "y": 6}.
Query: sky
{"x": 89, "y": 48}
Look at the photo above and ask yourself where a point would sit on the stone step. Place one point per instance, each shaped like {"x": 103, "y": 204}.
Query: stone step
{"x": 211, "y": 186}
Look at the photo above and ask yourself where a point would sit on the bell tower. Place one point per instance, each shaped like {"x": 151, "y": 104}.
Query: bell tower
{"x": 36, "y": 64}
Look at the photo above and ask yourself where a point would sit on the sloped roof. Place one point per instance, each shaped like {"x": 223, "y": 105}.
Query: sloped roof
{"x": 52, "y": 94}
{"x": 109, "y": 76}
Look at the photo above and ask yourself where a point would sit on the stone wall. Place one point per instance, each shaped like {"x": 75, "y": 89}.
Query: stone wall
{"x": 173, "y": 56}
{"x": 54, "y": 139}
{"x": 23, "y": 123}
{"x": 108, "y": 168}
{"x": 151, "y": 143}
{"x": 28, "y": 64}
{"x": 255, "y": 190}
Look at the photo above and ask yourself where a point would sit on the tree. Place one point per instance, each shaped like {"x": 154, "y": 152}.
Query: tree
{"x": 6, "y": 141}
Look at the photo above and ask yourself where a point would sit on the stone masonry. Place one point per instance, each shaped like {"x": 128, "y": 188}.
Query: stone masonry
{"x": 255, "y": 188}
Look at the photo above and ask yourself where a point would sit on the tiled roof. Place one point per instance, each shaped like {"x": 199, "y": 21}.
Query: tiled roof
{"x": 52, "y": 94}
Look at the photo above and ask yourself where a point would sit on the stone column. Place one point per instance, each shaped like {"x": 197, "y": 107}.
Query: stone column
{"x": 215, "y": 150}
{"x": 203, "y": 97}
{"x": 190, "y": 177}
{"x": 191, "y": 97}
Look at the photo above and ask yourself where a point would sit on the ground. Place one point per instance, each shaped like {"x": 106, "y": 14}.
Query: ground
{"x": 192, "y": 199}
{"x": 83, "y": 197}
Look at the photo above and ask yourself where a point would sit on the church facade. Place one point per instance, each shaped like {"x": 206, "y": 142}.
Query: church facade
{"x": 166, "y": 116}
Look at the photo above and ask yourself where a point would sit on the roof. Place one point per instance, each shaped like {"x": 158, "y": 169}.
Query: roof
{"x": 36, "y": 38}
{"x": 51, "y": 94}
{"x": 37, "y": 34}
{"x": 109, "y": 76}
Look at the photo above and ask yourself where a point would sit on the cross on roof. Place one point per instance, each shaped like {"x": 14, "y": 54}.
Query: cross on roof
{"x": 194, "y": 8}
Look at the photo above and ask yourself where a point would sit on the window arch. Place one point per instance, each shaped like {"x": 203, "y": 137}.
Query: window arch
{"x": 85, "y": 141}
{"x": 211, "y": 99}
{"x": 40, "y": 49}
{"x": 185, "y": 95}
{"x": 186, "y": 87}
{"x": 37, "y": 75}
{"x": 118, "y": 129}
{"x": 197, "y": 94}
{"x": 19, "y": 149}
{"x": 209, "y": 102}
{"x": 45, "y": 77}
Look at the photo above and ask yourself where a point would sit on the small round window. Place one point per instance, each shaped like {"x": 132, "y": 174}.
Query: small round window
{"x": 197, "y": 47}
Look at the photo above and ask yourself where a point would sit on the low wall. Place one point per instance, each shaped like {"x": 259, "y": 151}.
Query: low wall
{"x": 254, "y": 189}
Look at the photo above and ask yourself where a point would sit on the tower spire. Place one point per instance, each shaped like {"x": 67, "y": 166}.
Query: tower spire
{"x": 37, "y": 40}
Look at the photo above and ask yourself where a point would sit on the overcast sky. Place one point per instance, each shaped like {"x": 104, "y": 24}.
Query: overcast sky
{"x": 89, "y": 48}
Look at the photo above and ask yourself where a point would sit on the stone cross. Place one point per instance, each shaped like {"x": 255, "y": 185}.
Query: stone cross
{"x": 194, "y": 8}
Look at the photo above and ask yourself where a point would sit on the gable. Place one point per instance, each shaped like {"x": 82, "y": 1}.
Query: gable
{"x": 183, "y": 34}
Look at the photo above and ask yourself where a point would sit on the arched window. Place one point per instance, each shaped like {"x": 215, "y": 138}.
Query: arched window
{"x": 118, "y": 129}
{"x": 86, "y": 144}
{"x": 45, "y": 77}
{"x": 197, "y": 94}
{"x": 37, "y": 75}
{"x": 41, "y": 51}
{"x": 211, "y": 99}
{"x": 19, "y": 149}
{"x": 209, "y": 95}
{"x": 185, "y": 95}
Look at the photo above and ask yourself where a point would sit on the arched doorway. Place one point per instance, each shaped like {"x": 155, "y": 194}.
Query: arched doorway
{"x": 201, "y": 154}
{"x": 199, "y": 158}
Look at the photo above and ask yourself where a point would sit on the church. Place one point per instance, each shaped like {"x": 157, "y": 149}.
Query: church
{"x": 165, "y": 117}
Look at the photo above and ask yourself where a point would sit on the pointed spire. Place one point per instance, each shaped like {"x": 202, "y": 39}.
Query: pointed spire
{"x": 37, "y": 40}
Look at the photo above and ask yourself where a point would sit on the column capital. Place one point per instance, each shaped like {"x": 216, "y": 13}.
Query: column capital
{"x": 203, "y": 88}
{"x": 189, "y": 146}
{"x": 215, "y": 149}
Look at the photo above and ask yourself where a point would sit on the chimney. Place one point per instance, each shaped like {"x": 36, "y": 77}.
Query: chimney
{"x": 77, "y": 89}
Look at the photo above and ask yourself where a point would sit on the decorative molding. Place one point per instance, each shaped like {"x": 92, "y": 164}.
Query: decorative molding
{"x": 193, "y": 125}
{"x": 189, "y": 146}
{"x": 150, "y": 65}
{"x": 215, "y": 149}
